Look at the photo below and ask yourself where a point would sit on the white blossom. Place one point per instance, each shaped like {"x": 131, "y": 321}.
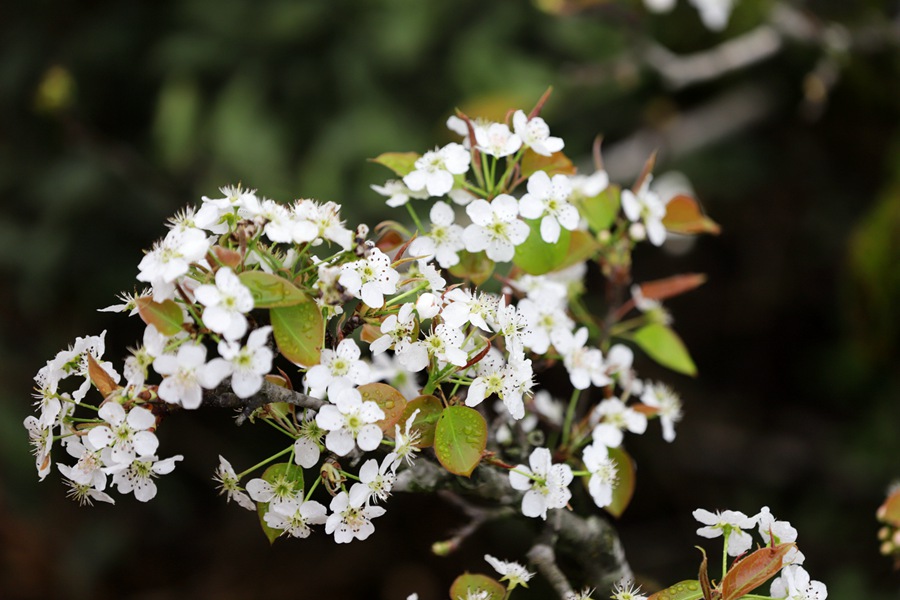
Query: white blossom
{"x": 350, "y": 420}
{"x": 603, "y": 474}
{"x": 186, "y": 373}
{"x": 398, "y": 193}
{"x": 170, "y": 258}
{"x": 370, "y": 278}
{"x": 495, "y": 227}
{"x": 226, "y": 304}
{"x": 584, "y": 364}
{"x": 443, "y": 242}
{"x": 667, "y": 405}
{"x": 247, "y": 364}
{"x": 434, "y": 170}
{"x": 547, "y": 199}
{"x": 512, "y": 572}
{"x": 615, "y": 417}
{"x": 295, "y": 516}
{"x": 535, "y": 134}
{"x": 341, "y": 365}
{"x": 647, "y": 207}
{"x": 546, "y": 485}
{"x": 794, "y": 583}
{"x": 375, "y": 482}
{"x": 138, "y": 475}
{"x": 126, "y": 434}
{"x": 497, "y": 140}
{"x": 349, "y": 521}
{"x": 731, "y": 523}
{"x": 229, "y": 484}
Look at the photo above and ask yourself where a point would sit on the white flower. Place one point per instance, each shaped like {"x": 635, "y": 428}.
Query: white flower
{"x": 626, "y": 590}
{"x": 230, "y": 485}
{"x": 510, "y": 381}
{"x": 495, "y": 228}
{"x": 667, "y": 404}
{"x": 186, "y": 373}
{"x": 308, "y": 446}
{"x": 138, "y": 475}
{"x": 83, "y": 493}
{"x": 350, "y": 419}
{"x": 434, "y": 171}
{"x": 646, "y": 206}
{"x": 603, "y": 474}
{"x": 731, "y": 523}
{"x": 40, "y": 436}
{"x": 591, "y": 185}
{"x": 465, "y": 307}
{"x": 779, "y": 532}
{"x": 127, "y": 435}
{"x": 548, "y": 198}
{"x": 794, "y": 584}
{"x": 295, "y": 516}
{"x": 659, "y": 6}
{"x": 584, "y": 364}
{"x": 170, "y": 258}
{"x": 370, "y": 278}
{"x": 397, "y": 193}
{"x": 348, "y": 520}
{"x": 281, "y": 490}
{"x": 543, "y": 317}
{"x": 535, "y": 134}
{"x": 405, "y": 442}
{"x": 397, "y": 330}
{"x": 249, "y": 364}
{"x": 374, "y": 481}
{"x": 89, "y": 470}
{"x": 512, "y": 572}
{"x": 714, "y": 13}
{"x": 213, "y": 212}
{"x": 615, "y": 418}
{"x": 497, "y": 140}
{"x": 545, "y": 485}
{"x": 444, "y": 344}
{"x": 327, "y": 219}
{"x": 341, "y": 365}
{"x": 443, "y": 242}
{"x": 128, "y": 302}
{"x": 226, "y": 304}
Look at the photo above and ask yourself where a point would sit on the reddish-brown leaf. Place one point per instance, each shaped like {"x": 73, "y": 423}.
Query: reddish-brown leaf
{"x": 100, "y": 378}
{"x": 556, "y": 163}
{"x": 889, "y": 512}
{"x": 661, "y": 289}
{"x": 388, "y": 399}
{"x": 683, "y": 215}
{"x": 226, "y": 256}
{"x": 753, "y": 570}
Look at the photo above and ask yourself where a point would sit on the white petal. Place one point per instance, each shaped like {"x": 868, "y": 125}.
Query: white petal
{"x": 369, "y": 437}
{"x": 340, "y": 442}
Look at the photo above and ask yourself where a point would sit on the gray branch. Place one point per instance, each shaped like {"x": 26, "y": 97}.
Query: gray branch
{"x": 269, "y": 393}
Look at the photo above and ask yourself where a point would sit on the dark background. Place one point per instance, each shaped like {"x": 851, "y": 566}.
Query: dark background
{"x": 113, "y": 115}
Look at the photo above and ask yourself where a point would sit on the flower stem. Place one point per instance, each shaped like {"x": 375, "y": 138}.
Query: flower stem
{"x": 570, "y": 415}
{"x": 415, "y": 217}
{"x": 242, "y": 474}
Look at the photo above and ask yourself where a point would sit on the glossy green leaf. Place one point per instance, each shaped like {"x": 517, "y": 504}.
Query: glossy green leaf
{"x": 683, "y": 590}
{"x": 459, "y": 439}
{"x": 388, "y": 399}
{"x": 624, "y": 489}
{"x": 753, "y": 570}
{"x": 476, "y": 267}
{"x": 401, "y": 163}
{"x": 535, "y": 256}
{"x": 582, "y": 246}
{"x": 467, "y": 582}
{"x": 665, "y": 347}
{"x": 299, "y": 332}
{"x": 430, "y": 409}
{"x": 271, "y": 291}
{"x": 279, "y": 474}
{"x": 601, "y": 210}
{"x": 166, "y": 316}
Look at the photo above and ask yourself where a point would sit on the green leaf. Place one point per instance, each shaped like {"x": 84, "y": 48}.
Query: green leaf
{"x": 582, "y": 246}
{"x": 459, "y": 439}
{"x": 401, "y": 163}
{"x": 665, "y": 347}
{"x": 535, "y": 256}
{"x": 683, "y": 590}
{"x": 166, "y": 316}
{"x": 271, "y": 291}
{"x": 299, "y": 332}
{"x": 430, "y": 409}
{"x": 753, "y": 570}
{"x": 624, "y": 489}
{"x": 472, "y": 582}
{"x": 476, "y": 267}
{"x": 601, "y": 210}
{"x": 279, "y": 473}
{"x": 388, "y": 399}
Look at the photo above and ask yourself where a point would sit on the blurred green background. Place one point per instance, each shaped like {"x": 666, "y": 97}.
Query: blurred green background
{"x": 113, "y": 115}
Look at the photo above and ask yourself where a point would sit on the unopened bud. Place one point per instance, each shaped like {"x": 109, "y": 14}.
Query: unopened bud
{"x": 442, "y": 548}
{"x": 637, "y": 232}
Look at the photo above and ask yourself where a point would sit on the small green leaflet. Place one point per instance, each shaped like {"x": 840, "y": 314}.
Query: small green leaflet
{"x": 665, "y": 347}
{"x": 535, "y": 256}
{"x": 299, "y": 332}
{"x": 166, "y": 316}
{"x": 270, "y": 291}
{"x": 401, "y": 163}
{"x": 459, "y": 439}
{"x": 683, "y": 590}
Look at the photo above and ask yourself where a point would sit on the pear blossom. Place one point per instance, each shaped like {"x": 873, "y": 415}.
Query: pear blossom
{"x": 535, "y": 134}
{"x": 733, "y": 524}
{"x": 40, "y": 437}
{"x": 349, "y": 521}
{"x": 397, "y": 330}
{"x": 350, "y": 419}
{"x": 89, "y": 468}
{"x": 374, "y": 481}
{"x": 281, "y": 490}
{"x": 170, "y": 258}
{"x": 128, "y": 302}
{"x": 295, "y": 516}
{"x": 308, "y": 446}
{"x": 603, "y": 473}
{"x": 626, "y": 590}
{"x": 275, "y": 218}
{"x": 229, "y": 484}
{"x": 794, "y": 583}
{"x": 434, "y": 170}
{"x": 584, "y": 364}
{"x": 591, "y": 185}
{"x": 340, "y": 365}
{"x": 428, "y": 306}
{"x": 779, "y": 532}
{"x": 138, "y": 475}
{"x": 186, "y": 373}
{"x": 247, "y": 364}
{"x": 226, "y": 304}
{"x": 443, "y": 242}
{"x": 615, "y": 418}
{"x": 497, "y": 140}
{"x": 547, "y": 199}
{"x": 444, "y": 343}
{"x": 326, "y": 217}
{"x": 398, "y": 193}
{"x": 370, "y": 278}
{"x": 214, "y": 211}
{"x": 495, "y": 228}
{"x": 714, "y": 13}
{"x": 543, "y": 316}
{"x": 667, "y": 404}
{"x": 405, "y": 442}
{"x": 126, "y": 434}
{"x": 546, "y": 485}
{"x": 647, "y": 207}
{"x": 83, "y": 493}
{"x": 463, "y": 306}
{"x": 512, "y": 572}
